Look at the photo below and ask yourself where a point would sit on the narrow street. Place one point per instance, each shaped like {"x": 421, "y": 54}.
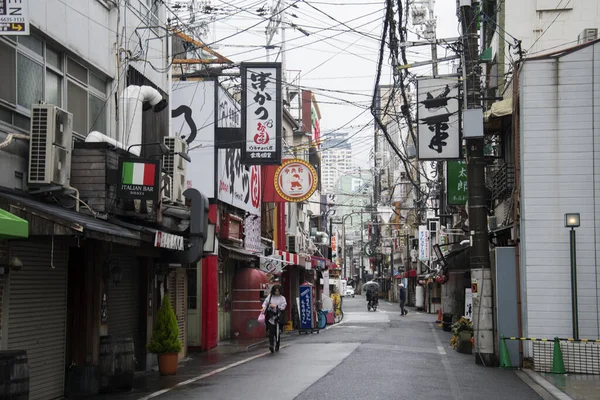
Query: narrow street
{"x": 370, "y": 355}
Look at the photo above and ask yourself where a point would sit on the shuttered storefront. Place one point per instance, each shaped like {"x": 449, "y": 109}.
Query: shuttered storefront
{"x": 37, "y": 313}
{"x": 178, "y": 297}
{"x": 124, "y": 308}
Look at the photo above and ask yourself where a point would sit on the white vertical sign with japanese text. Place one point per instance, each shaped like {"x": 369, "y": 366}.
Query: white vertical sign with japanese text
{"x": 468, "y": 303}
{"x": 261, "y": 113}
{"x": 423, "y": 243}
{"x": 438, "y": 119}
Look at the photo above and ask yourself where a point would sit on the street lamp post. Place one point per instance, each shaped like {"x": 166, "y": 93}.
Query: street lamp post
{"x": 573, "y": 220}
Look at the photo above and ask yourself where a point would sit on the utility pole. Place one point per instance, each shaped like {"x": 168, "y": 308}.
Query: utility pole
{"x": 431, "y": 25}
{"x": 483, "y": 318}
{"x": 273, "y": 27}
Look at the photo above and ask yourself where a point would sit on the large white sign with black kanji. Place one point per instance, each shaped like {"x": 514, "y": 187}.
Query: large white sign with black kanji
{"x": 261, "y": 113}
{"x": 438, "y": 119}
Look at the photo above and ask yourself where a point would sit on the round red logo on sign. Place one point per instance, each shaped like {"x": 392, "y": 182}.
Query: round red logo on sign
{"x": 295, "y": 180}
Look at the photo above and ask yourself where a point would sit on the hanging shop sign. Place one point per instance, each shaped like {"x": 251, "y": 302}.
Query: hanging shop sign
{"x": 424, "y": 250}
{"x": 438, "y": 119}
{"x": 14, "y": 17}
{"x": 295, "y": 180}
{"x": 319, "y": 263}
{"x": 169, "y": 241}
{"x": 140, "y": 179}
{"x": 456, "y": 182}
{"x": 239, "y": 185}
{"x": 252, "y": 233}
{"x": 261, "y": 113}
{"x": 272, "y": 265}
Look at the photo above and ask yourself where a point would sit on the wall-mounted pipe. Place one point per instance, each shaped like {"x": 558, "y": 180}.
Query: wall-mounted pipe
{"x": 17, "y": 149}
{"x": 97, "y": 137}
{"x": 132, "y": 102}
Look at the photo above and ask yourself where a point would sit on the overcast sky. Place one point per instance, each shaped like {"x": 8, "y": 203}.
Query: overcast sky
{"x": 337, "y": 61}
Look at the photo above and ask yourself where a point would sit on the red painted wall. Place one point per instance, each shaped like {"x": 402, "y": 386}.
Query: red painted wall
{"x": 210, "y": 323}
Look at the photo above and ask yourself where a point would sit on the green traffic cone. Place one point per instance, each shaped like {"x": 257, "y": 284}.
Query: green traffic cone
{"x": 558, "y": 365}
{"x": 504, "y": 356}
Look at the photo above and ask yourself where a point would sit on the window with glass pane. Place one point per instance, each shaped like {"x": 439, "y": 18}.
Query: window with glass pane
{"x": 32, "y": 43}
{"x": 53, "y": 89}
{"x": 8, "y": 71}
{"x": 97, "y": 109}
{"x": 77, "y": 71}
{"x": 5, "y": 115}
{"x": 53, "y": 58}
{"x": 97, "y": 83}
{"x": 77, "y": 104}
{"x": 21, "y": 121}
{"x": 29, "y": 82}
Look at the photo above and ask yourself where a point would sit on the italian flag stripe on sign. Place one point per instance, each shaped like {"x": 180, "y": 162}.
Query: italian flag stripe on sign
{"x": 138, "y": 174}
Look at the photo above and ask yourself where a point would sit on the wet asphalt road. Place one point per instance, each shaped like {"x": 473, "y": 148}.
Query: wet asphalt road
{"x": 370, "y": 355}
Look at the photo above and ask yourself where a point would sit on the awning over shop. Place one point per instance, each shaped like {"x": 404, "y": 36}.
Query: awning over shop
{"x": 12, "y": 227}
{"x": 240, "y": 254}
{"x": 72, "y": 222}
{"x": 290, "y": 258}
{"x": 499, "y": 109}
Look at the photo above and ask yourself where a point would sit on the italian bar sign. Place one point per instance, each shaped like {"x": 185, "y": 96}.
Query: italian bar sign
{"x": 261, "y": 113}
{"x": 140, "y": 179}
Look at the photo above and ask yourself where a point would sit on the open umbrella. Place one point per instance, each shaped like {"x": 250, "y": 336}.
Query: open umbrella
{"x": 371, "y": 284}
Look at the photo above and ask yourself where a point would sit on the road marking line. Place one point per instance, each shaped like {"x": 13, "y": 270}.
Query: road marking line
{"x": 209, "y": 374}
{"x": 454, "y": 388}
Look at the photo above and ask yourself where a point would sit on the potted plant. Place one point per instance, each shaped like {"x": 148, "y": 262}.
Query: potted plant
{"x": 165, "y": 339}
{"x": 462, "y": 332}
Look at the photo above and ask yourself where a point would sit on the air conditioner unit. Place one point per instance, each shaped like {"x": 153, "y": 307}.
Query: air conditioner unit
{"x": 175, "y": 166}
{"x": 50, "y": 146}
{"x": 167, "y": 187}
{"x": 292, "y": 244}
{"x": 587, "y": 35}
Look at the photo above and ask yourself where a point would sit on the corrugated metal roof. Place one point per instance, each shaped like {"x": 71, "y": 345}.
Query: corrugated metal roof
{"x": 82, "y": 222}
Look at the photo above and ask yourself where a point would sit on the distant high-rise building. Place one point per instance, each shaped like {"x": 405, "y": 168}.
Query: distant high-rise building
{"x": 336, "y": 158}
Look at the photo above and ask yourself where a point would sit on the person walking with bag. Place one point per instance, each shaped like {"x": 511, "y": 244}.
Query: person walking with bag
{"x": 402, "y": 297}
{"x": 272, "y": 308}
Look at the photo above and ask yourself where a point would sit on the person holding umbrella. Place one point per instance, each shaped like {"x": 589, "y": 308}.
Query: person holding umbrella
{"x": 372, "y": 288}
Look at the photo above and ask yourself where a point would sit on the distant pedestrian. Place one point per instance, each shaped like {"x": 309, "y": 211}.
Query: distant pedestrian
{"x": 402, "y": 300}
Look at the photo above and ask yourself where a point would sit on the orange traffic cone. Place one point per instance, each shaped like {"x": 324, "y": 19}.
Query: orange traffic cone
{"x": 439, "y": 317}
